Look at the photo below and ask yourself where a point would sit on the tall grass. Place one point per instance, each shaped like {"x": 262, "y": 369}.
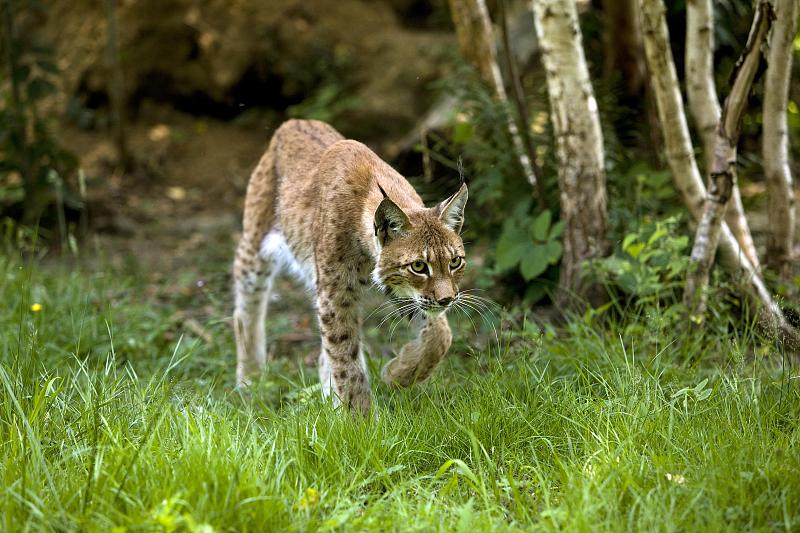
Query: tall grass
{"x": 115, "y": 417}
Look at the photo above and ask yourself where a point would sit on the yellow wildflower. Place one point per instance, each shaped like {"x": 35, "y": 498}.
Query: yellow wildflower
{"x": 36, "y": 308}
{"x": 309, "y": 499}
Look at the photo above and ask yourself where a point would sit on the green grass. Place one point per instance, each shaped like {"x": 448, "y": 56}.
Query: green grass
{"x": 115, "y": 415}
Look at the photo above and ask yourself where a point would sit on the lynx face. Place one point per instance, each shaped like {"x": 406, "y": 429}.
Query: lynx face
{"x": 422, "y": 255}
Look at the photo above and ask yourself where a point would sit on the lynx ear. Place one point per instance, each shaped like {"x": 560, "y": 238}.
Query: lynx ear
{"x": 451, "y": 211}
{"x": 390, "y": 221}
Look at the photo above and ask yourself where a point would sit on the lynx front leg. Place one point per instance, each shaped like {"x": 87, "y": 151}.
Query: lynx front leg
{"x": 252, "y": 284}
{"x": 420, "y": 357}
{"x": 342, "y": 365}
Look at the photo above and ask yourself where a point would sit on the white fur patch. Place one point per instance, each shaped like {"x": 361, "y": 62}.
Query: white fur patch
{"x": 275, "y": 247}
{"x": 376, "y": 278}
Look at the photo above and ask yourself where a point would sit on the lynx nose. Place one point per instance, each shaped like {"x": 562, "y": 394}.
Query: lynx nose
{"x": 444, "y": 302}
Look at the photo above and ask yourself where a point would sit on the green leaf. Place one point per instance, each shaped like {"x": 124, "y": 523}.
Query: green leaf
{"x": 534, "y": 263}
{"x": 463, "y": 132}
{"x": 508, "y": 252}
{"x": 535, "y": 292}
{"x": 627, "y": 282}
{"x": 556, "y": 230}
{"x": 635, "y": 249}
{"x": 553, "y": 251}
{"x": 628, "y": 240}
{"x": 657, "y": 234}
{"x": 540, "y": 225}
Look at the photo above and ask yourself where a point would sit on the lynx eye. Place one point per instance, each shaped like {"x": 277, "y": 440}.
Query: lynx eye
{"x": 419, "y": 267}
{"x": 456, "y": 263}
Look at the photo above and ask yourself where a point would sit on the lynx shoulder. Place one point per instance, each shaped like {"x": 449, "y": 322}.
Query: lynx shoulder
{"x": 340, "y": 219}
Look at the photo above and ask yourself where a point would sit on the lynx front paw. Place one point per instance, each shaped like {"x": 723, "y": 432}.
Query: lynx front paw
{"x": 359, "y": 401}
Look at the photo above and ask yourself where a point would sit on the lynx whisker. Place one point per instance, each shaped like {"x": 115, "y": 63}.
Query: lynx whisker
{"x": 481, "y": 308}
{"x": 397, "y": 313}
{"x": 385, "y": 305}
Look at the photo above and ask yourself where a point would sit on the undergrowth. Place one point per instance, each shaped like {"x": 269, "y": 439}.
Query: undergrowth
{"x": 116, "y": 417}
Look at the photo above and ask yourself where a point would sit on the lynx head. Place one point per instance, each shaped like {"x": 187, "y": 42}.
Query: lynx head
{"x": 422, "y": 255}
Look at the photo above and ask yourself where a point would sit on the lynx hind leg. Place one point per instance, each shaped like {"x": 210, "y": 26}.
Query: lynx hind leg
{"x": 253, "y": 270}
{"x": 253, "y": 274}
{"x": 420, "y": 357}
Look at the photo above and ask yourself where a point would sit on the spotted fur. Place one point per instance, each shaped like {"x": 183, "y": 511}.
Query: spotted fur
{"x": 337, "y": 216}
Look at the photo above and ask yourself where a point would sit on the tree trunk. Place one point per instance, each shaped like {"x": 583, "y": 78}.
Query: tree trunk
{"x": 722, "y": 175}
{"x": 116, "y": 86}
{"x": 519, "y": 99}
{"x": 477, "y": 44}
{"x": 579, "y": 145}
{"x": 781, "y": 210}
{"x": 19, "y": 127}
{"x": 701, "y": 94}
{"x": 680, "y": 157}
{"x": 623, "y": 60}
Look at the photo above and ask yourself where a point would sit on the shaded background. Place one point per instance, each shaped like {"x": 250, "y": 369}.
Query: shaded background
{"x": 203, "y": 83}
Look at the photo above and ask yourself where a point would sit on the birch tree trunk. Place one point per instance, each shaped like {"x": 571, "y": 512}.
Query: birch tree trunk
{"x": 680, "y": 157}
{"x": 781, "y": 202}
{"x": 477, "y": 44}
{"x": 704, "y": 106}
{"x": 579, "y": 144}
{"x": 722, "y": 175}
{"x": 701, "y": 94}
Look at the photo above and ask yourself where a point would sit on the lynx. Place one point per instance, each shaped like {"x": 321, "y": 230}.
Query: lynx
{"x": 341, "y": 219}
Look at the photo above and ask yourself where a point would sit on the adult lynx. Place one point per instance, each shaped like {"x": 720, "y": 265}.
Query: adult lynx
{"x": 336, "y": 215}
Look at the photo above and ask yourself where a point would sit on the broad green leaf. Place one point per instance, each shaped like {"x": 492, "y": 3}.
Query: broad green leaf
{"x": 657, "y": 234}
{"x": 540, "y": 225}
{"x": 509, "y": 251}
{"x": 533, "y": 263}
{"x": 556, "y": 230}
{"x": 553, "y": 251}
{"x": 628, "y": 240}
{"x": 635, "y": 249}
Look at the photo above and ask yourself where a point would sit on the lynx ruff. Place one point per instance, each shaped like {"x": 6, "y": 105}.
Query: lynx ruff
{"x": 339, "y": 218}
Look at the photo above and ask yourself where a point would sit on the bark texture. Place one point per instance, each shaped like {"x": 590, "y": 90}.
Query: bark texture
{"x": 701, "y": 94}
{"x": 116, "y": 86}
{"x": 781, "y": 201}
{"x": 722, "y": 175}
{"x": 623, "y": 58}
{"x": 680, "y": 157}
{"x": 579, "y": 145}
{"x": 477, "y": 44}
